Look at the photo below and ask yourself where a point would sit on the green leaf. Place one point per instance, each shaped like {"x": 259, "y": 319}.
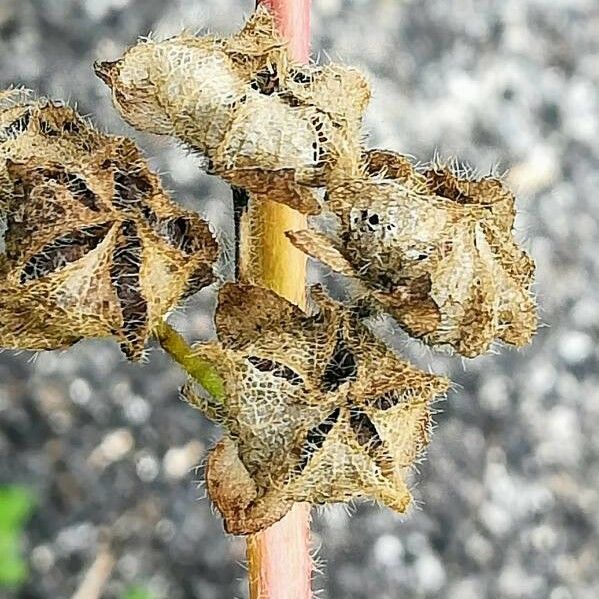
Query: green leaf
{"x": 13, "y": 572}
{"x": 13, "y": 569}
{"x": 137, "y": 593}
{"x": 16, "y": 505}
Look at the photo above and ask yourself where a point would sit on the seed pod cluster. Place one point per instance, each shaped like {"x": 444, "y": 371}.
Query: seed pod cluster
{"x": 317, "y": 409}
{"x": 264, "y": 123}
{"x": 434, "y": 249}
{"x": 93, "y": 245}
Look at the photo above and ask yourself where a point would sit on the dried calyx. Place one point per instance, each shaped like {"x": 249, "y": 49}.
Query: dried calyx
{"x": 434, "y": 249}
{"x": 264, "y": 123}
{"x": 315, "y": 407}
{"x": 93, "y": 245}
{"x": 317, "y": 410}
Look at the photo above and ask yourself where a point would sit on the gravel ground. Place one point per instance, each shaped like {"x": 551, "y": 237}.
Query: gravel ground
{"x": 509, "y": 495}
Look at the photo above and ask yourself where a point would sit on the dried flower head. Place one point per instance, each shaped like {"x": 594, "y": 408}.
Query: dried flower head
{"x": 43, "y": 128}
{"x": 263, "y": 123}
{"x": 93, "y": 245}
{"x": 434, "y": 249}
{"x": 317, "y": 409}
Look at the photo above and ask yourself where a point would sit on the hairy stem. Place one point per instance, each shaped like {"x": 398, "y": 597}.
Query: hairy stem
{"x": 198, "y": 368}
{"x": 279, "y": 562}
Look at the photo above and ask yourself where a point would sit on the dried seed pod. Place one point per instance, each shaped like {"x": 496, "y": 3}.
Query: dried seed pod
{"x": 257, "y": 45}
{"x": 317, "y": 409}
{"x": 510, "y": 267}
{"x": 258, "y": 321}
{"x": 41, "y": 128}
{"x": 92, "y": 243}
{"x": 434, "y": 249}
{"x": 269, "y": 410}
{"x": 272, "y": 357}
{"x": 263, "y": 123}
{"x": 235, "y": 494}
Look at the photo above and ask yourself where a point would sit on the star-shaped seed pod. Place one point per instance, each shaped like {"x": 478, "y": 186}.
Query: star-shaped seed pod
{"x": 434, "y": 249}
{"x": 273, "y": 359}
{"x": 512, "y": 269}
{"x": 332, "y": 416}
{"x": 94, "y": 247}
{"x": 262, "y": 122}
{"x": 39, "y": 128}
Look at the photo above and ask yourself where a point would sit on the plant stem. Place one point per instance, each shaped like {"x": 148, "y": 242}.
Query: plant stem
{"x": 279, "y": 562}
{"x": 293, "y": 17}
{"x": 199, "y": 369}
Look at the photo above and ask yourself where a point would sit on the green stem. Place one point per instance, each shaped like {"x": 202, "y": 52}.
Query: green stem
{"x": 199, "y": 369}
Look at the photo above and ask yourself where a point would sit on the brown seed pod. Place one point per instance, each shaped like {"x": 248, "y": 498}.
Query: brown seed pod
{"x": 43, "y": 128}
{"x": 93, "y": 243}
{"x": 263, "y": 123}
{"x": 317, "y": 409}
{"x": 434, "y": 249}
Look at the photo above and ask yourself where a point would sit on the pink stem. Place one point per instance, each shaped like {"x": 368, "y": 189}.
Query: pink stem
{"x": 279, "y": 561}
{"x": 293, "y": 17}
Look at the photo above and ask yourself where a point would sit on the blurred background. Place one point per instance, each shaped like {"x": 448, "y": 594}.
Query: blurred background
{"x": 97, "y": 456}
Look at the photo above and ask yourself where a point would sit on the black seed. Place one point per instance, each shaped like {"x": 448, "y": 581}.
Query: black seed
{"x": 77, "y": 186}
{"x": 342, "y": 366}
{"x": 47, "y": 129}
{"x": 130, "y": 189}
{"x": 289, "y": 99}
{"x": 18, "y": 126}
{"x": 200, "y": 278}
{"x": 82, "y": 192}
{"x": 63, "y": 251}
{"x": 71, "y": 127}
{"x": 124, "y": 272}
{"x": 318, "y": 318}
{"x": 319, "y": 156}
{"x": 177, "y": 231}
{"x": 266, "y": 82}
{"x": 386, "y": 401}
{"x": 301, "y": 77}
{"x": 276, "y": 369}
{"x": 316, "y": 437}
{"x": 241, "y": 201}
{"x": 365, "y": 431}
{"x": 385, "y": 282}
{"x": 148, "y": 214}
